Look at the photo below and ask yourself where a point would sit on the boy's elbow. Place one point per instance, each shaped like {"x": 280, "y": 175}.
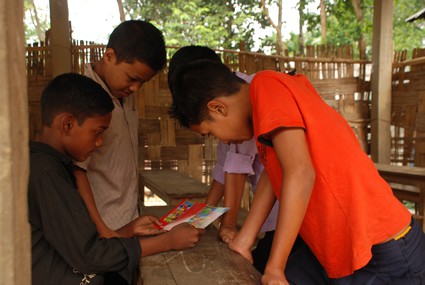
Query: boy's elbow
{"x": 91, "y": 264}
{"x": 96, "y": 266}
{"x": 102, "y": 256}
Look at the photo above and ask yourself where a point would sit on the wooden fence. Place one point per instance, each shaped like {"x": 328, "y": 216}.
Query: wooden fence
{"x": 342, "y": 81}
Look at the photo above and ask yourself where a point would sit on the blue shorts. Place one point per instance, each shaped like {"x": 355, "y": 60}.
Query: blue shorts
{"x": 396, "y": 262}
{"x": 303, "y": 268}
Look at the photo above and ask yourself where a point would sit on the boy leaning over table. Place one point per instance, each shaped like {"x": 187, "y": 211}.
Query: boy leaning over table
{"x": 329, "y": 190}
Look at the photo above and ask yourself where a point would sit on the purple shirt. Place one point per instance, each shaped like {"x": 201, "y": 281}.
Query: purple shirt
{"x": 243, "y": 159}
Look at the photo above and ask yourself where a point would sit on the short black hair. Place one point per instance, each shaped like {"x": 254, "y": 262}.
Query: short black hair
{"x": 186, "y": 55}
{"x": 76, "y": 94}
{"x": 138, "y": 40}
{"x": 197, "y": 83}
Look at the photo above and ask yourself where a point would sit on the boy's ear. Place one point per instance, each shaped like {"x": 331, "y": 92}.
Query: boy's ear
{"x": 217, "y": 107}
{"x": 67, "y": 123}
{"x": 109, "y": 55}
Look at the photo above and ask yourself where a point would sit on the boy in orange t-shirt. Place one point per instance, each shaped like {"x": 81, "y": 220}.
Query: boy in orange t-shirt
{"x": 328, "y": 188}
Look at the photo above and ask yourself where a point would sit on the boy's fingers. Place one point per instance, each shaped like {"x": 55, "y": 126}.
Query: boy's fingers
{"x": 226, "y": 238}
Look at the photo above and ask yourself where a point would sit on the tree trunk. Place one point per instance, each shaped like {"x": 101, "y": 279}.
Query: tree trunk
{"x": 121, "y": 10}
{"x": 36, "y": 22}
{"x": 231, "y": 8}
{"x": 301, "y": 6}
{"x": 280, "y": 45}
{"x": 359, "y": 15}
{"x": 323, "y": 20}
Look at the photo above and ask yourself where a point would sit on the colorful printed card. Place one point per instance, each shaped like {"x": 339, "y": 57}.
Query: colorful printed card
{"x": 198, "y": 214}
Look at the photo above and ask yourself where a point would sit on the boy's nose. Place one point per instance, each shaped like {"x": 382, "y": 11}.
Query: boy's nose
{"x": 136, "y": 86}
{"x": 99, "y": 141}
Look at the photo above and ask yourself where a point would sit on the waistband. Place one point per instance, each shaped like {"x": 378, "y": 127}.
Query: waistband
{"x": 404, "y": 233}
{"x": 409, "y": 233}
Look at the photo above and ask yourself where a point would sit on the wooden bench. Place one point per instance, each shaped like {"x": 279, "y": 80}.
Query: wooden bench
{"x": 408, "y": 183}
{"x": 172, "y": 186}
{"x": 210, "y": 262}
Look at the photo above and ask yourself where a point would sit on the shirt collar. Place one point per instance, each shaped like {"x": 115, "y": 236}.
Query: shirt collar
{"x": 63, "y": 158}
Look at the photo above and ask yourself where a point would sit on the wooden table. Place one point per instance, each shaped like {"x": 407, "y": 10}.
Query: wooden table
{"x": 408, "y": 183}
{"x": 172, "y": 186}
{"x": 211, "y": 262}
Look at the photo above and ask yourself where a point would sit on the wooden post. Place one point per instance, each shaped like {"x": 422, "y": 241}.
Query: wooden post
{"x": 382, "y": 56}
{"x": 15, "y": 245}
{"x": 242, "y": 58}
{"x": 60, "y": 43}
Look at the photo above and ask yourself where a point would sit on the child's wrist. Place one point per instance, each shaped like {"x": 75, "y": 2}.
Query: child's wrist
{"x": 168, "y": 241}
{"x": 244, "y": 241}
{"x": 228, "y": 221}
{"x": 227, "y": 227}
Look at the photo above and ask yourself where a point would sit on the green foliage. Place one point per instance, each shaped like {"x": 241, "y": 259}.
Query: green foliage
{"x": 342, "y": 24}
{"x": 203, "y": 22}
{"x": 268, "y": 42}
{"x": 226, "y": 23}
{"x": 408, "y": 36}
{"x": 293, "y": 44}
{"x": 343, "y": 27}
{"x": 30, "y": 22}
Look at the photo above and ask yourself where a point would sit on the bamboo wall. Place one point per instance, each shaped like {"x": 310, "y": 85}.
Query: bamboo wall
{"x": 39, "y": 73}
{"x": 341, "y": 81}
{"x": 408, "y": 109}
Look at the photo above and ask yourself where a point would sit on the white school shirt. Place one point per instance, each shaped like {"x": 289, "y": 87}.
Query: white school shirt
{"x": 113, "y": 169}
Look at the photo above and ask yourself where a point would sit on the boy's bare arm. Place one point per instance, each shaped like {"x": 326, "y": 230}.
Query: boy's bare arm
{"x": 215, "y": 193}
{"x": 234, "y": 187}
{"x": 138, "y": 227}
{"x": 86, "y": 194}
{"x": 297, "y": 184}
{"x": 264, "y": 199}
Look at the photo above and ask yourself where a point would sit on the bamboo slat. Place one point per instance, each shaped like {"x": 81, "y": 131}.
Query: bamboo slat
{"x": 420, "y": 131}
{"x": 407, "y": 120}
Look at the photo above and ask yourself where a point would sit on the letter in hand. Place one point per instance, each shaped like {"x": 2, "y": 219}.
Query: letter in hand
{"x": 184, "y": 236}
{"x": 145, "y": 226}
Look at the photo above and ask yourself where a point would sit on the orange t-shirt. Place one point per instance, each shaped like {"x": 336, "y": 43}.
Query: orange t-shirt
{"x": 351, "y": 207}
